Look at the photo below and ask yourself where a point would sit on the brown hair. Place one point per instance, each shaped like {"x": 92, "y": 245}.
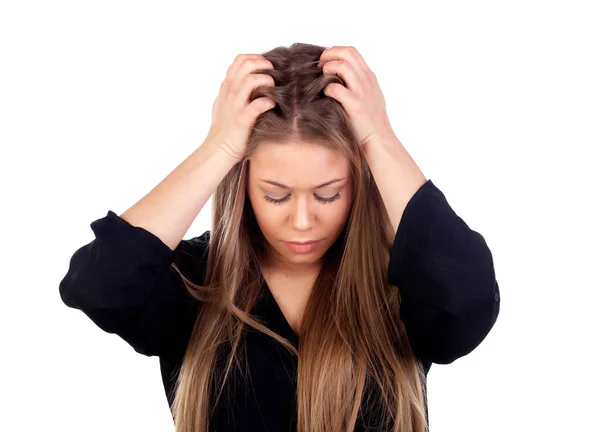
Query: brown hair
{"x": 352, "y": 338}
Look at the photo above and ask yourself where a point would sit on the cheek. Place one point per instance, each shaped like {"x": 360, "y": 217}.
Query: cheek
{"x": 332, "y": 217}
{"x": 340, "y": 216}
{"x": 267, "y": 216}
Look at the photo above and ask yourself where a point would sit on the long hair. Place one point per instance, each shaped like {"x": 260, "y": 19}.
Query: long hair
{"x": 352, "y": 338}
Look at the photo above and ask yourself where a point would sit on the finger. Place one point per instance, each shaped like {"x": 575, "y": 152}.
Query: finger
{"x": 257, "y": 107}
{"x": 248, "y": 85}
{"x": 248, "y": 71}
{"x": 342, "y": 95}
{"x": 237, "y": 61}
{"x": 243, "y": 65}
{"x": 345, "y": 71}
{"x": 347, "y": 53}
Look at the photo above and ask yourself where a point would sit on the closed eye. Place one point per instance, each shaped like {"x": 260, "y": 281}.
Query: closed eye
{"x": 318, "y": 198}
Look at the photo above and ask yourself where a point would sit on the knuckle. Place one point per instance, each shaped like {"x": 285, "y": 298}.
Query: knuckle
{"x": 244, "y": 60}
{"x": 256, "y": 78}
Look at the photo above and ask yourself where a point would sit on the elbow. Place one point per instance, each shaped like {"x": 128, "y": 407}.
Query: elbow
{"x": 464, "y": 331}
{"x": 66, "y": 292}
{"x": 78, "y": 280}
{"x": 70, "y": 285}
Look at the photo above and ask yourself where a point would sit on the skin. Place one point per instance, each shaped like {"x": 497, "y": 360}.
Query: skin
{"x": 301, "y": 166}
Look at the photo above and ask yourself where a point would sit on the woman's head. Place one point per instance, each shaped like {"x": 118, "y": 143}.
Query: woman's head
{"x": 305, "y": 141}
{"x": 353, "y": 343}
{"x": 299, "y": 191}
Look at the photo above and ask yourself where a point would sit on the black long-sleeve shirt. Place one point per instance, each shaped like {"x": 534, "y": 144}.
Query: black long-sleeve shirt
{"x": 122, "y": 280}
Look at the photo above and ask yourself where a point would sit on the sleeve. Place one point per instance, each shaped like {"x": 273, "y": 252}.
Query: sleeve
{"x": 444, "y": 271}
{"x": 123, "y": 281}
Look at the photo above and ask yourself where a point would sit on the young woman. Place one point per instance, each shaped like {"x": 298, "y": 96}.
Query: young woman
{"x": 388, "y": 281}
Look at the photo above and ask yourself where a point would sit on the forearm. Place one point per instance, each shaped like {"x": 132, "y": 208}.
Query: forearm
{"x": 169, "y": 209}
{"x": 396, "y": 174}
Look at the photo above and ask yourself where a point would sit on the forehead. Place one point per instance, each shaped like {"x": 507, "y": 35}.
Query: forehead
{"x": 298, "y": 164}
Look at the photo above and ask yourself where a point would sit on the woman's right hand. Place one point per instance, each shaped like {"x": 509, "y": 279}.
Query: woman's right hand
{"x": 232, "y": 115}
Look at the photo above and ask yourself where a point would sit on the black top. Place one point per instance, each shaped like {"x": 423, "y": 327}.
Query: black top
{"x": 122, "y": 280}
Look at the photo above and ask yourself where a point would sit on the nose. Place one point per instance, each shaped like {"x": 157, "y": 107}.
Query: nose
{"x": 303, "y": 214}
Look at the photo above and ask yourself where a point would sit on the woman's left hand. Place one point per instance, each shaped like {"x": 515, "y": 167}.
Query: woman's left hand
{"x": 361, "y": 98}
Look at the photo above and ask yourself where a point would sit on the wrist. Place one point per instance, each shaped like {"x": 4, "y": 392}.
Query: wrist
{"x": 222, "y": 149}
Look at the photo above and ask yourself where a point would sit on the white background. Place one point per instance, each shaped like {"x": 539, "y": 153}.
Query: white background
{"x": 497, "y": 102}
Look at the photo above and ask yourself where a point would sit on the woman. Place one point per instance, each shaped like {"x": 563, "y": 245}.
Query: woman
{"x": 391, "y": 281}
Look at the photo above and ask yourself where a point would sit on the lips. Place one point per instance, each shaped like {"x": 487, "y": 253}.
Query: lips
{"x": 303, "y": 247}
{"x": 303, "y": 243}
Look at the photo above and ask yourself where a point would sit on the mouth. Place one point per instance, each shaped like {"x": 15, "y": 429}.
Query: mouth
{"x": 302, "y": 247}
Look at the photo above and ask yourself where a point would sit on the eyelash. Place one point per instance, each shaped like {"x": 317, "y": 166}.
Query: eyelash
{"x": 321, "y": 199}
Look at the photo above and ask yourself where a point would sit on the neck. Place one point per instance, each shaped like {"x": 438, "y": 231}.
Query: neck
{"x": 291, "y": 270}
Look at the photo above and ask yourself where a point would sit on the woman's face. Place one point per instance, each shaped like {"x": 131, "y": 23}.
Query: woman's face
{"x": 299, "y": 192}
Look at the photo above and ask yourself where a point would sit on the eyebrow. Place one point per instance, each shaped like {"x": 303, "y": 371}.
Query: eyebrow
{"x": 274, "y": 183}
